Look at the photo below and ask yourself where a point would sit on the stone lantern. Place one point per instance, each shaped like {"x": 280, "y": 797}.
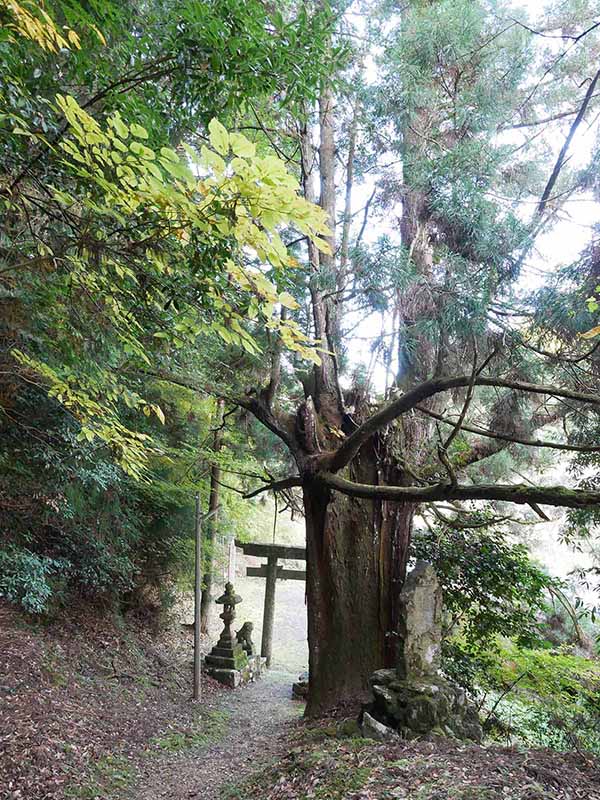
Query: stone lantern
{"x": 228, "y": 662}
{"x": 229, "y": 599}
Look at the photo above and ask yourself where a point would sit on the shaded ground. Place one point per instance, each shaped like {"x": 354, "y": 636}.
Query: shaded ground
{"x": 256, "y": 724}
{"x": 101, "y": 711}
{"x": 323, "y": 765}
{"x": 81, "y": 703}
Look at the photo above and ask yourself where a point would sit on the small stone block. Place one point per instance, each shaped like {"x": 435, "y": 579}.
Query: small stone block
{"x": 220, "y": 662}
{"x": 383, "y": 677}
{"x": 225, "y": 652}
{"x": 228, "y": 677}
{"x": 386, "y": 700}
{"x": 372, "y": 729}
{"x": 300, "y": 690}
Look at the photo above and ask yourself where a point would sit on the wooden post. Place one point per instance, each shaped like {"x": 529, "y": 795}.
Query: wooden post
{"x": 269, "y": 612}
{"x": 212, "y": 519}
{"x": 231, "y": 562}
{"x": 197, "y": 602}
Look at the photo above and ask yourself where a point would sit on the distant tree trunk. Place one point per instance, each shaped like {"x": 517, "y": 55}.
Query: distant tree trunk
{"x": 212, "y": 523}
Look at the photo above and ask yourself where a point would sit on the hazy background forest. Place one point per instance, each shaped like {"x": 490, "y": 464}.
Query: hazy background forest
{"x": 332, "y": 266}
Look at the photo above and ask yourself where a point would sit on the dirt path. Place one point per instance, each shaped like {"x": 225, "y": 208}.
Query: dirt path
{"x": 257, "y": 721}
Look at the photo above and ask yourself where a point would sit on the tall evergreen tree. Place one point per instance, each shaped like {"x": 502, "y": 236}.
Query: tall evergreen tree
{"x": 451, "y": 76}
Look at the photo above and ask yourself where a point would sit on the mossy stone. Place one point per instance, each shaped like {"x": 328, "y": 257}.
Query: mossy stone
{"x": 422, "y": 714}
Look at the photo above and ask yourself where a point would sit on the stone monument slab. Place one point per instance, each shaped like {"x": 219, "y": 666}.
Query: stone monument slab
{"x": 416, "y": 699}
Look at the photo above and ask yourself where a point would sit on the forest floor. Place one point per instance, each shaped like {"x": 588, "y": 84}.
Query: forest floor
{"x": 257, "y": 725}
{"x": 97, "y": 708}
{"x": 84, "y": 702}
{"x": 100, "y": 710}
{"x": 328, "y": 762}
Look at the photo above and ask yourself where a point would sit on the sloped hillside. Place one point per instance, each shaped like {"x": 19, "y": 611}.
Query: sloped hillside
{"x": 81, "y": 703}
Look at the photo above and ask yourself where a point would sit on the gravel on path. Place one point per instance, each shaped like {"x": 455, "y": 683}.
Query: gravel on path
{"x": 261, "y": 717}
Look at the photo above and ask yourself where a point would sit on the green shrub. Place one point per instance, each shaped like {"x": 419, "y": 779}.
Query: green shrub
{"x": 544, "y": 722}
{"x": 548, "y": 673}
{"x": 491, "y": 587}
{"x": 544, "y": 698}
{"x": 26, "y": 578}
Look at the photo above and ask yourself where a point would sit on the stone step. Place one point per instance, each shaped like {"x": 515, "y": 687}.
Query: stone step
{"x": 219, "y": 662}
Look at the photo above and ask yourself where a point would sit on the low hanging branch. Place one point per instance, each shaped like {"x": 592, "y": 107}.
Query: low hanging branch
{"x": 517, "y": 493}
{"x": 283, "y": 427}
{"x": 276, "y": 486}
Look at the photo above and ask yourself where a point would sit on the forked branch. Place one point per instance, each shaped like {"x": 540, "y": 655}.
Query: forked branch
{"x": 276, "y": 486}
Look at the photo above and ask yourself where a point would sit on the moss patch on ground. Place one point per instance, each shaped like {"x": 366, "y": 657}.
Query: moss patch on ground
{"x": 210, "y": 727}
{"x": 336, "y": 770}
{"x": 110, "y": 776}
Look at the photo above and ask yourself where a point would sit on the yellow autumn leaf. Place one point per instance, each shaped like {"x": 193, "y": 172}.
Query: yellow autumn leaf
{"x": 242, "y": 146}
{"x": 74, "y": 39}
{"x": 219, "y": 138}
{"x": 139, "y": 131}
{"x": 286, "y": 299}
{"x": 99, "y": 34}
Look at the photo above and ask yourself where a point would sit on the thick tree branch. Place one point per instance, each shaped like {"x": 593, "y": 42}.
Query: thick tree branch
{"x": 325, "y": 373}
{"x": 479, "y": 453}
{"x": 281, "y": 425}
{"x": 510, "y": 493}
{"x": 346, "y": 452}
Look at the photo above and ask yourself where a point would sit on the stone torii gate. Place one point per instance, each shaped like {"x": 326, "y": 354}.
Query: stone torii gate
{"x": 271, "y": 571}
